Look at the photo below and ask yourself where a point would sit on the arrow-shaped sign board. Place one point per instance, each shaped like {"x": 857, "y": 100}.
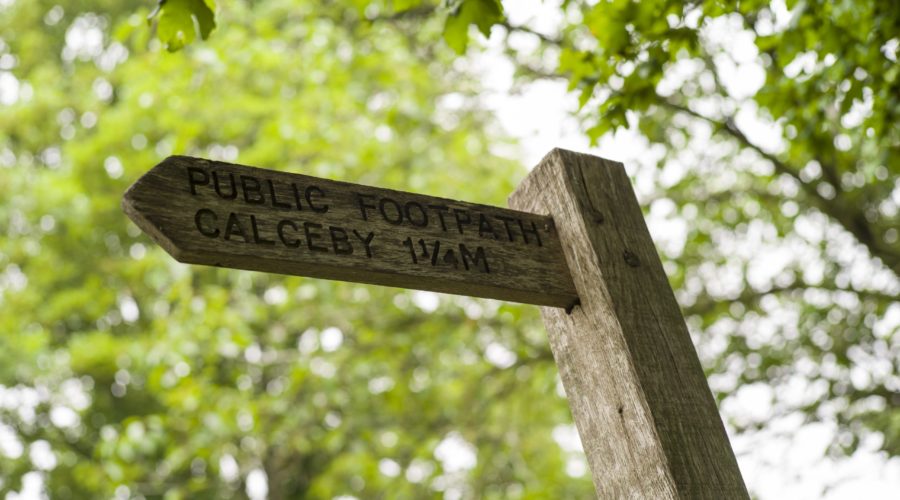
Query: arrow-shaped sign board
{"x": 222, "y": 214}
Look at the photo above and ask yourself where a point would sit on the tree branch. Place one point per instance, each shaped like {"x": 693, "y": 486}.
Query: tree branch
{"x": 525, "y": 29}
{"x": 849, "y": 218}
{"x": 411, "y": 13}
{"x": 749, "y": 295}
{"x": 728, "y": 125}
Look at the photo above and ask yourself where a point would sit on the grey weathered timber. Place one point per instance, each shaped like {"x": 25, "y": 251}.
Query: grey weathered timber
{"x": 641, "y": 403}
{"x": 221, "y": 214}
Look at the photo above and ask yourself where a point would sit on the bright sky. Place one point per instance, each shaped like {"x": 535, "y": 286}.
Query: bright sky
{"x": 784, "y": 462}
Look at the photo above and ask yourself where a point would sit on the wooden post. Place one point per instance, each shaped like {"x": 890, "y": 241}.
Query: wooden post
{"x": 643, "y": 409}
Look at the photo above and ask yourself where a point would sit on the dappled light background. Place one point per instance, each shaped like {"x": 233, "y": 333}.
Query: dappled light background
{"x": 795, "y": 321}
{"x": 126, "y": 374}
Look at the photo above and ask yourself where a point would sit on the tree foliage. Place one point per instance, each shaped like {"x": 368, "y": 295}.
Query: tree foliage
{"x": 769, "y": 132}
{"x": 776, "y": 126}
{"x": 124, "y": 373}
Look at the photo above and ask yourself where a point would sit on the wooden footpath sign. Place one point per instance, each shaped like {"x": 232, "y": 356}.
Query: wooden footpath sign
{"x": 644, "y": 412}
{"x": 220, "y": 214}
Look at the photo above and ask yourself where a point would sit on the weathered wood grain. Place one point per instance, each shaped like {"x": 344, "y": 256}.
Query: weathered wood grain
{"x": 221, "y": 214}
{"x": 640, "y": 401}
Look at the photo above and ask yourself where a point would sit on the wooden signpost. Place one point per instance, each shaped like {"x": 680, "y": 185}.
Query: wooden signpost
{"x": 220, "y": 214}
{"x": 639, "y": 398}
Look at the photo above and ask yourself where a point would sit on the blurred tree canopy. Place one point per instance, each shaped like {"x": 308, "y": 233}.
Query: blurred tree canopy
{"x": 771, "y": 129}
{"x": 772, "y": 132}
{"x": 124, "y": 373}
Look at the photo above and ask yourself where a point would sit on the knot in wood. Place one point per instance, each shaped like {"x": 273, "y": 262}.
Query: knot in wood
{"x": 631, "y": 259}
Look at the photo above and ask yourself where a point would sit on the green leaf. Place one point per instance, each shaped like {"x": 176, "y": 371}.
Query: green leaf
{"x": 482, "y": 13}
{"x": 179, "y": 21}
